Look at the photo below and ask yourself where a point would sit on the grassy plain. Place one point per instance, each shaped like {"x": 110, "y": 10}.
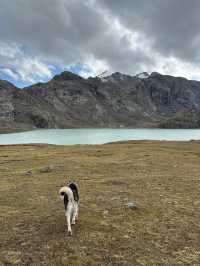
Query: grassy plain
{"x": 163, "y": 178}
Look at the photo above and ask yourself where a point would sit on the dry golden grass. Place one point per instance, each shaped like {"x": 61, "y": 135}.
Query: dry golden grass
{"x": 162, "y": 177}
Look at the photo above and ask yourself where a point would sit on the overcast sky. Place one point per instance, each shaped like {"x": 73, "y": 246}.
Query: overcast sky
{"x": 39, "y": 38}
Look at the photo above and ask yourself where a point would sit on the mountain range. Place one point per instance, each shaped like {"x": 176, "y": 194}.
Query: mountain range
{"x": 118, "y": 100}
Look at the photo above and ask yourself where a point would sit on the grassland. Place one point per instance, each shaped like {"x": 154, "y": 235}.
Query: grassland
{"x": 163, "y": 178}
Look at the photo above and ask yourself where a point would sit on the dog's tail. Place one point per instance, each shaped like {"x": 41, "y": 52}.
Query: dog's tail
{"x": 66, "y": 191}
{"x": 74, "y": 189}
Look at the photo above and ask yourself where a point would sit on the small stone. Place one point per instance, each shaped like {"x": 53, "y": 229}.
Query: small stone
{"x": 46, "y": 169}
{"x": 105, "y": 213}
{"x": 29, "y": 172}
{"x": 116, "y": 256}
{"x": 114, "y": 198}
{"x": 126, "y": 236}
{"x": 132, "y": 205}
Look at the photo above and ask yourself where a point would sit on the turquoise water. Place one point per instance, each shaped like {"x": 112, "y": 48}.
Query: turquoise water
{"x": 97, "y": 136}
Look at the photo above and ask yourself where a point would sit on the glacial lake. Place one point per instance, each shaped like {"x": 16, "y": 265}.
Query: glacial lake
{"x": 97, "y": 136}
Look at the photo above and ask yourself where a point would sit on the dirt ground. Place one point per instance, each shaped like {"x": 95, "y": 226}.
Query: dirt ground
{"x": 162, "y": 178}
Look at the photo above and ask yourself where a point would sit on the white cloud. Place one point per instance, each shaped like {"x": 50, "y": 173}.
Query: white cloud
{"x": 177, "y": 67}
{"x": 9, "y": 72}
{"x": 32, "y": 69}
{"x": 94, "y": 67}
{"x": 16, "y": 64}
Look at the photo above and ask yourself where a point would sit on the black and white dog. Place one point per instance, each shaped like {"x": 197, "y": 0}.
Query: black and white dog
{"x": 70, "y": 195}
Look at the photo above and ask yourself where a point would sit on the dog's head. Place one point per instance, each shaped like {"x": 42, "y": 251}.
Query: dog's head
{"x": 70, "y": 182}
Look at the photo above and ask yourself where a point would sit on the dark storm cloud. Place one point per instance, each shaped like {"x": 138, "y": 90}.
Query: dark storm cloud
{"x": 66, "y": 29}
{"x": 128, "y": 36}
{"x": 174, "y": 25}
{"x": 55, "y": 28}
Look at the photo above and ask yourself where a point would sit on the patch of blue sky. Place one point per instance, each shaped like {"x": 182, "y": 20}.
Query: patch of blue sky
{"x": 16, "y": 82}
{"x": 79, "y": 69}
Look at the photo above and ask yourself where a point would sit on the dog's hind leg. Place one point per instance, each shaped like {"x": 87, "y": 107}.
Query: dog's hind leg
{"x": 73, "y": 219}
{"x": 68, "y": 218}
{"x": 76, "y": 211}
{"x": 75, "y": 214}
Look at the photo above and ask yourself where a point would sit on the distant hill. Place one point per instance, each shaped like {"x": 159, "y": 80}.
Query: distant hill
{"x": 119, "y": 100}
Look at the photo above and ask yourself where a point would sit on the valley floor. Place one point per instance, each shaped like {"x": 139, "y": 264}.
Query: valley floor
{"x": 163, "y": 178}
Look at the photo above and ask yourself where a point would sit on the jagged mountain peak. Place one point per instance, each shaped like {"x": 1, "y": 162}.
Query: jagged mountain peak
{"x": 115, "y": 77}
{"x": 154, "y": 74}
{"x": 67, "y": 75}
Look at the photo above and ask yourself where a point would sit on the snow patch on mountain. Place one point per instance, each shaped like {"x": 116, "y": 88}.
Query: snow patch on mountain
{"x": 143, "y": 75}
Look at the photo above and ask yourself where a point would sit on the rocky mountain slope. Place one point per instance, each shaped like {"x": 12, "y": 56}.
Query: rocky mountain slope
{"x": 118, "y": 100}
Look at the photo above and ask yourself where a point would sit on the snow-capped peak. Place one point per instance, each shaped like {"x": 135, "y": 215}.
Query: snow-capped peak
{"x": 142, "y": 75}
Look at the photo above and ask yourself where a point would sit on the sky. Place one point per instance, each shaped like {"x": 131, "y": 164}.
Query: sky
{"x": 41, "y": 38}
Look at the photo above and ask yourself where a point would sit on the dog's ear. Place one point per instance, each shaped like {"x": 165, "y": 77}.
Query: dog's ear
{"x": 68, "y": 182}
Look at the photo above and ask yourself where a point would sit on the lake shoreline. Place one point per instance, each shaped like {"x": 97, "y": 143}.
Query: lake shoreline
{"x": 94, "y": 136}
{"x": 8, "y": 130}
{"x": 145, "y": 141}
